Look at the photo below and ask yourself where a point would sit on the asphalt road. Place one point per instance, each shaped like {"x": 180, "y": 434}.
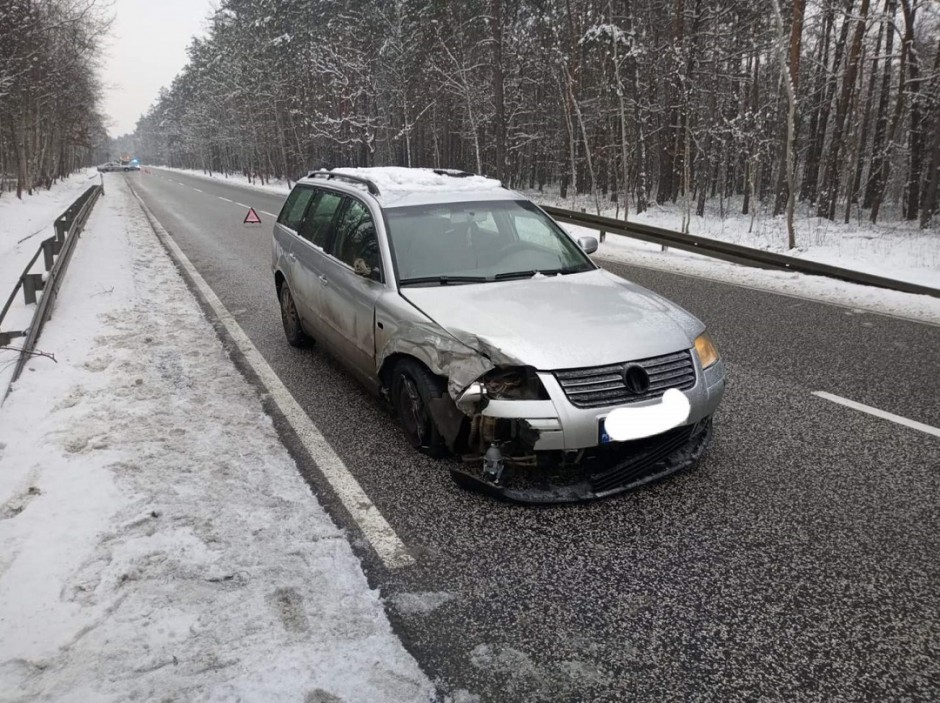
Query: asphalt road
{"x": 799, "y": 561}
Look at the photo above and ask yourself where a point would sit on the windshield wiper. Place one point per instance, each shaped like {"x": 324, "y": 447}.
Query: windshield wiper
{"x": 442, "y": 280}
{"x": 544, "y": 272}
{"x": 515, "y": 274}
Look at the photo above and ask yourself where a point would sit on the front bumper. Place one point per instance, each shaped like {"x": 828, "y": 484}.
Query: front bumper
{"x": 602, "y": 472}
{"x": 561, "y": 426}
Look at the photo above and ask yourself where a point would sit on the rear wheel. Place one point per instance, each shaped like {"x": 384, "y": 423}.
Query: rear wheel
{"x": 295, "y": 334}
{"x": 413, "y": 389}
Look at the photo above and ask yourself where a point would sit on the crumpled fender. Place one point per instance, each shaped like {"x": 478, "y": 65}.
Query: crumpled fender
{"x": 461, "y": 357}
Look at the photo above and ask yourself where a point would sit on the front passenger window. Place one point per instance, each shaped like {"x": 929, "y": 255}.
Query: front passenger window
{"x": 356, "y": 242}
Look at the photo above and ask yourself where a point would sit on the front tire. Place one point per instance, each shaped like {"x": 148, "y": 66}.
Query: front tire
{"x": 295, "y": 334}
{"x": 413, "y": 388}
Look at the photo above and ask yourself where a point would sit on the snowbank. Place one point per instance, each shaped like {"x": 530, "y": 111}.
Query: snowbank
{"x": 156, "y": 540}
{"x": 274, "y": 186}
{"x": 899, "y": 250}
{"x": 633, "y": 252}
{"x": 25, "y": 223}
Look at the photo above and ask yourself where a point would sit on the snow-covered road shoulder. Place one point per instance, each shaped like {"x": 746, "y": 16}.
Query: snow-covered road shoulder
{"x": 156, "y": 539}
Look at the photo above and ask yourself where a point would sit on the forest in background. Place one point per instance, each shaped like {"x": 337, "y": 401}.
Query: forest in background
{"x": 836, "y": 102}
{"x": 50, "y": 123}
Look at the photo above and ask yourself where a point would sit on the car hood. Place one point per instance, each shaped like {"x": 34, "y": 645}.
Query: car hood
{"x": 558, "y": 322}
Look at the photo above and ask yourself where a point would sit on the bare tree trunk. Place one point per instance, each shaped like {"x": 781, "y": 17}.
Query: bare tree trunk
{"x": 622, "y": 114}
{"x": 876, "y": 176}
{"x": 787, "y": 74}
{"x": 916, "y": 133}
{"x": 795, "y": 44}
{"x": 827, "y": 200}
{"x": 496, "y": 24}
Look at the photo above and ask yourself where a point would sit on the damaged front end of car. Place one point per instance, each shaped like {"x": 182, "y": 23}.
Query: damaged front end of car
{"x": 500, "y": 421}
{"x": 514, "y": 448}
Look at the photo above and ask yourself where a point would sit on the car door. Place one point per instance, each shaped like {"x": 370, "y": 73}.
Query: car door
{"x": 286, "y": 237}
{"x": 353, "y": 281}
{"x": 308, "y": 256}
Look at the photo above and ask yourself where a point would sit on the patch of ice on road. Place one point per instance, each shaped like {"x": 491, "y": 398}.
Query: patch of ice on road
{"x": 156, "y": 540}
{"x": 420, "y": 603}
{"x": 554, "y": 681}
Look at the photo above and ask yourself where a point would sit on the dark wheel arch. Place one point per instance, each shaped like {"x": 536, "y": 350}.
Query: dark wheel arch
{"x": 412, "y": 386}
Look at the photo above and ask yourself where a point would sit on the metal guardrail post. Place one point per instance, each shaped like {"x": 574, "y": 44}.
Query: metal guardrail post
{"x": 49, "y": 250}
{"x": 68, "y": 228}
{"x": 32, "y": 284}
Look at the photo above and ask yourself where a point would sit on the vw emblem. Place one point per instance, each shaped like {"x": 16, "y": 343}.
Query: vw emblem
{"x": 636, "y": 380}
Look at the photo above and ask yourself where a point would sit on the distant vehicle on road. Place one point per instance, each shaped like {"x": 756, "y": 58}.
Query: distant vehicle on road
{"x": 118, "y": 166}
{"x": 492, "y": 333}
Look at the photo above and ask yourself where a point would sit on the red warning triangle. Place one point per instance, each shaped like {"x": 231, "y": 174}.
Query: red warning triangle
{"x": 252, "y": 217}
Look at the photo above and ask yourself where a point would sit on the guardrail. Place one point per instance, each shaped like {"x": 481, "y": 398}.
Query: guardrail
{"x": 56, "y": 252}
{"x": 731, "y": 252}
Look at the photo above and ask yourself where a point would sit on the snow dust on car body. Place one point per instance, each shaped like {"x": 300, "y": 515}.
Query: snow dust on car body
{"x": 492, "y": 333}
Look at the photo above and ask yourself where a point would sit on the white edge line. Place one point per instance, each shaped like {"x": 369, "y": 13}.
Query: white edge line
{"x": 389, "y": 547}
{"x": 913, "y": 424}
{"x": 242, "y": 205}
{"x": 265, "y": 212}
{"x": 225, "y": 199}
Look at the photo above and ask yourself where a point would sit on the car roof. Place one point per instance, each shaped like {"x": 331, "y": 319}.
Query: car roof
{"x": 394, "y": 186}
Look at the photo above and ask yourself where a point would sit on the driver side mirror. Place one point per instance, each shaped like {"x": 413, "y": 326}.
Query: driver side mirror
{"x": 589, "y": 244}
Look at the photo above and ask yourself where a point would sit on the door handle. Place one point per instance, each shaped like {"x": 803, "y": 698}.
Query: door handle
{"x": 323, "y": 279}
{"x": 292, "y": 256}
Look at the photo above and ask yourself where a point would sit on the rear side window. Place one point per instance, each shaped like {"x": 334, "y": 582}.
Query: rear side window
{"x": 316, "y": 226}
{"x": 356, "y": 243}
{"x": 292, "y": 214}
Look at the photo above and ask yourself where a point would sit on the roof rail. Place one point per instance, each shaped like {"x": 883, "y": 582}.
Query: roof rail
{"x": 373, "y": 189}
{"x": 456, "y": 173}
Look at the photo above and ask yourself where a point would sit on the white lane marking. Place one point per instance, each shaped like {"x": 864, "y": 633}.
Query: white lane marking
{"x": 265, "y": 212}
{"x": 913, "y": 424}
{"x": 197, "y": 190}
{"x": 374, "y": 526}
{"x": 225, "y": 199}
{"x": 242, "y": 204}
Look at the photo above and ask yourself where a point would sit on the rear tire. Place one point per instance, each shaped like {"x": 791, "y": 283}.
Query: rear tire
{"x": 295, "y": 334}
{"x": 413, "y": 388}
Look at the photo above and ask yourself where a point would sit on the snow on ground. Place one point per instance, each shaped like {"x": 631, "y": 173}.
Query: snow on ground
{"x": 636, "y": 253}
{"x": 896, "y": 250}
{"x": 899, "y": 250}
{"x": 24, "y": 224}
{"x": 272, "y": 186}
{"x": 156, "y": 539}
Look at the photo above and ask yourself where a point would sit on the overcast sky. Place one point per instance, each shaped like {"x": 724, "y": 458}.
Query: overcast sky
{"x": 146, "y": 49}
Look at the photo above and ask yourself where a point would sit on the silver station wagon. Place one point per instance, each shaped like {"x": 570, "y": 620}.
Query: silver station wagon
{"x": 495, "y": 338}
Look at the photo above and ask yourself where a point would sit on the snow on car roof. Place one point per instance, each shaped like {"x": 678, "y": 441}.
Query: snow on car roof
{"x": 400, "y": 186}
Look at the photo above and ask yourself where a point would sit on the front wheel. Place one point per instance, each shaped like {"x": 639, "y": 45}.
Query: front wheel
{"x": 295, "y": 334}
{"x": 413, "y": 389}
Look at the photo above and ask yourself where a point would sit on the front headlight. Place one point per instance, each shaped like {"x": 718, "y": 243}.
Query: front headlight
{"x": 513, "y": 383}
{"x": 705, "y": 348}
{"x": 506, "y": 383}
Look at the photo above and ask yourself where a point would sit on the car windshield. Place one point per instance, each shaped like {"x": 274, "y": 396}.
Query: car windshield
{"x": 476, "y": 242}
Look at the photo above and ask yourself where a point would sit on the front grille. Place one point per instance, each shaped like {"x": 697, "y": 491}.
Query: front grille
{"x": 600, "y": 386}
{"x": 645, "y": 455}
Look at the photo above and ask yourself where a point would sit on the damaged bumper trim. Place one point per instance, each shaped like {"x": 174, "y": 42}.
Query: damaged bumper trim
{"x": 672, "y": 454}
